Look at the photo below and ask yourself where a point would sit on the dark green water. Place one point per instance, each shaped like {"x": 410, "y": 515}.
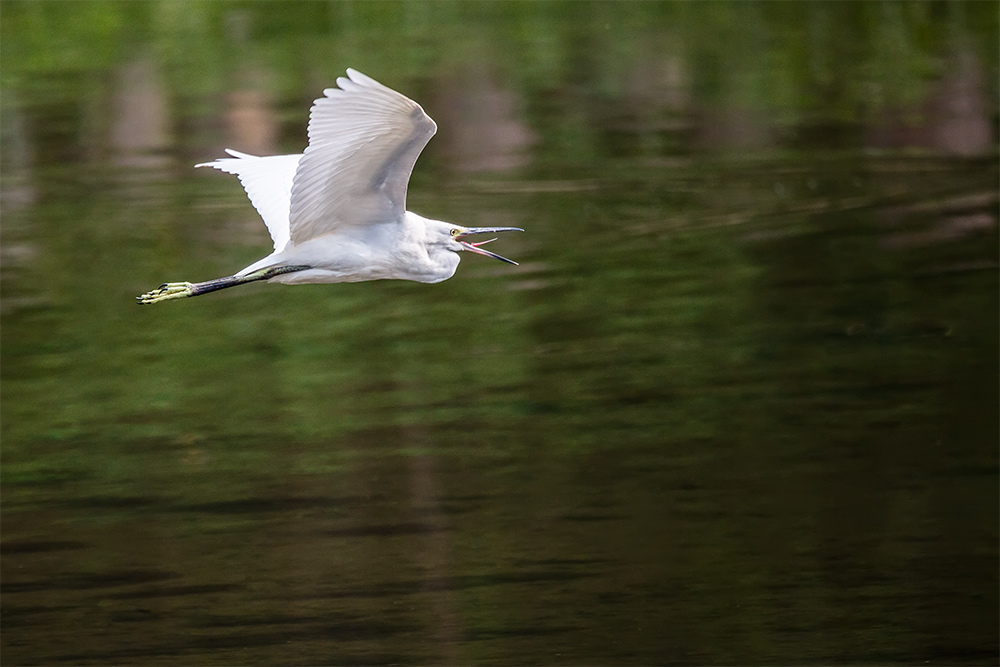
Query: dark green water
{"x": 738, "y": 404}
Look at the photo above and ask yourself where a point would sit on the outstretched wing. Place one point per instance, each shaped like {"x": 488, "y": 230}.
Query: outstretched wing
{"x": 268, "y": 182}
{"x": 364, "y": 139}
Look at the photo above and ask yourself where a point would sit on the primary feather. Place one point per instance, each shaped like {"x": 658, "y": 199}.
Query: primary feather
{"x": 268, "y": 182}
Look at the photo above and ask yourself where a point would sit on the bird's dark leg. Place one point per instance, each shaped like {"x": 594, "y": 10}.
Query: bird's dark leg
{"x": 168, "y": 291}
{"x": 233, "y": 281}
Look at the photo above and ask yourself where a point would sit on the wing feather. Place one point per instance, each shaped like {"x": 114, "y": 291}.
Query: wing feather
{"x": 268, "y": 182}
{"x": 364, "y": 139}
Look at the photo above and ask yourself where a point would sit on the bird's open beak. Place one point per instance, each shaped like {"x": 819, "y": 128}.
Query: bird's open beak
{"x": 474, "y": 247}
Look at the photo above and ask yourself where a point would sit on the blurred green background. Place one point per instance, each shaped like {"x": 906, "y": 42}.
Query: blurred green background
{"x": 738, "y": 403}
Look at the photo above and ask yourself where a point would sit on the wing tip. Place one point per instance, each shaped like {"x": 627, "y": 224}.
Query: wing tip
{"x": 218, "y": 163}
{"x": 359, "y": 78}
{"x": 352, "y": 82}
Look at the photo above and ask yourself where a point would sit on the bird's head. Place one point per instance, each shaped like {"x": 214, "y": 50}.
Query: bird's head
{"x": 456, "y": 239}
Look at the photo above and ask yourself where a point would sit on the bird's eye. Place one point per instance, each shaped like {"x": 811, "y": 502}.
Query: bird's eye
{"x": 455, "y": 231}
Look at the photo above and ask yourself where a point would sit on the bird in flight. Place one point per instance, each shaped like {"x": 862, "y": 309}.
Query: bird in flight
{"x": 337, "y": 212}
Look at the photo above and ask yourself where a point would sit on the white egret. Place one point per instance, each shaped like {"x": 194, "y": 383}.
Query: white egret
{"x": 337, "y": 212}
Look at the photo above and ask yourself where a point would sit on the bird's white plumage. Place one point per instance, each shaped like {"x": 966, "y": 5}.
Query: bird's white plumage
{"x": 268, "y": 182}
{"x": 337, "y": 213}
{"x": 364, "y": 139}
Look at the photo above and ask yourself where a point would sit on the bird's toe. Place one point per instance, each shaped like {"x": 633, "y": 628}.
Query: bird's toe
{"x": 165, "y": 292}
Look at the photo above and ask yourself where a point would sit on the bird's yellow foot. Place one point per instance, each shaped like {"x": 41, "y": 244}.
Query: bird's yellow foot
{"x": 165, "y": 292}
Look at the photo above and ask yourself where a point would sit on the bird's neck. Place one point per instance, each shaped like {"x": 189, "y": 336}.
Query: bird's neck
{"x": 432, "y": 262}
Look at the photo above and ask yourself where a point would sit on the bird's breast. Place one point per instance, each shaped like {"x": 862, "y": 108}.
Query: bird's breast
{"x": 339, "y": 258}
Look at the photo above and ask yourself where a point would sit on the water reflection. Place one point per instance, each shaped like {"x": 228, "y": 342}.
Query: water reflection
{"x": 139, "y": 133}
{"x": 738, "y": 403}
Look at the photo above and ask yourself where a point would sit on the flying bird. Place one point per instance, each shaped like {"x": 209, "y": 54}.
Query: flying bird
{"x": 337, "y": 212}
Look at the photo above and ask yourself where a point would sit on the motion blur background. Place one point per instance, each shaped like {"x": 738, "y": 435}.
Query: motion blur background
{"x": 738, "y": 404}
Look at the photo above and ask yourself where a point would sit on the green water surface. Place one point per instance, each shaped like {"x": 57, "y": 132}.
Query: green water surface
{"x": 737, "y": 404}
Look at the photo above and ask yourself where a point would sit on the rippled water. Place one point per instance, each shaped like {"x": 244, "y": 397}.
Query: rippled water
{"x": 737, "y": 405}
